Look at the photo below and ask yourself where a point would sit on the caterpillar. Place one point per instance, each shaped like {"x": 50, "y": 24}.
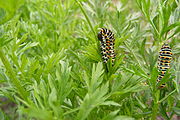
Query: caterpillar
{"x": 106, "y": 38}
{"x": 164, "y": 60}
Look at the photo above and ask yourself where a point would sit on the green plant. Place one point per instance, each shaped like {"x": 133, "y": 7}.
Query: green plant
{"x": 51, "y": 67}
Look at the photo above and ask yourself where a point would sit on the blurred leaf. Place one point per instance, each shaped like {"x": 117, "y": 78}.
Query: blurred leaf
{"x": 123, "y": 118}
{"x": 27, "y": 46}
{"x": 3, "y": 116}
{"x": 111, "y": 116}
{"x": 170, "y": 27}
{"x": 4, "y": 41}
{"x": 10, "y": 7}
{"x": 92, "y": 53}
{"x": 53, "y": 59}
{"x": 176, "y": 110}
{"x": 153, "y": 79}
{"x": 53, "y": 96}
{"x": 38, "y": 113}
{"x": 140, "y": 103}
{"x": 64, "y": 85}
{"x": 111, "y": 103}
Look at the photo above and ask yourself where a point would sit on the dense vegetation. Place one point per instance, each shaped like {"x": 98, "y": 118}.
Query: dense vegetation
{"x": 51, "y": 66}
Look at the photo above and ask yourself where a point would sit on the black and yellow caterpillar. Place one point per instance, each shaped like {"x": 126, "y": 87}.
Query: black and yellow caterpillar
{"x": 164, "y": 60}
{"x": 107, "y": 40}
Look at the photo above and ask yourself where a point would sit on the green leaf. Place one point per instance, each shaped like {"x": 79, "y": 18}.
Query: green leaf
{"x": 111, "y": 116}
{"x": 91, "y": 101}
{"x": 111, "y": 103}
{"x": 96, "y": 78}
{"x": 38, "y": 113}
{"x": 170, "y": 27}
{"x": 53, "y": 96}
{"x": 92, "y": 53}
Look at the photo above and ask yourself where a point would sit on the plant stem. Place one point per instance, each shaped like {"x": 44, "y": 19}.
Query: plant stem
{"x": 86, "y": 16}
{"x": 155, "y": 104}
{"x": 154, "y": 111}
{"x": 12, "y": 75}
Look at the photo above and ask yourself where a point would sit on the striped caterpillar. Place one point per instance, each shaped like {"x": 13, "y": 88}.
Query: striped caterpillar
{"x": 106, "y": 38}
{"x": 165, "y": 56}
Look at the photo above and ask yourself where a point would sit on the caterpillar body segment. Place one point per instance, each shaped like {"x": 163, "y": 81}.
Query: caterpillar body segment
{"x": 165, "y": 56}
{"x": 106, "y": 38}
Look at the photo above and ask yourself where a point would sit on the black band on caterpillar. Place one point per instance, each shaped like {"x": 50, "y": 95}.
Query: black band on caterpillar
{"x": 106, "y": 38}
{"x": 165, "y": 56}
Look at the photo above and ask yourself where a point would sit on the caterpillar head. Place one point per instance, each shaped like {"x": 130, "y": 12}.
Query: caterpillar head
{"x": 105, "y": 34}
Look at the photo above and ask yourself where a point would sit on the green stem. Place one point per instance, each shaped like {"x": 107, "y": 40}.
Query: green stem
{"x": 155, "y": 104}
{"x": 154, "y": 111}
{"x": 12, "y": 75}
{"x": 154, "y": 27}
{"x": 86, "y": 16}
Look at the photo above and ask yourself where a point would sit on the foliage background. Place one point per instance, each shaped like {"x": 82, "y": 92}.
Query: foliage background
{"x": 51, "y": 67}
